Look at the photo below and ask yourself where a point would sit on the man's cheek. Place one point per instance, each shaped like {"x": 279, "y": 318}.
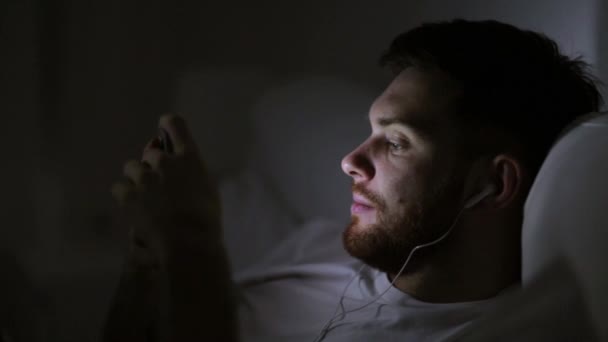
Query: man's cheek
{"x": 402, "y": 191}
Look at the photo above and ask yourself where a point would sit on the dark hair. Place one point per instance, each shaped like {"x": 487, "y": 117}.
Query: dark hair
{"x": 513, "y": 80}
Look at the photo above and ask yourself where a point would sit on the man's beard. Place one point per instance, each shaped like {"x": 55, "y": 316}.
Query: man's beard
{"x": 386, "y": 244}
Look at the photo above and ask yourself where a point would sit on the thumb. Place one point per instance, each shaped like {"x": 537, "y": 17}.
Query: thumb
{"x": 179, "y": 133}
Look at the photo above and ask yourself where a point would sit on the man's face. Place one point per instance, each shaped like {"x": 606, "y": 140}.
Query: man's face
{"x": 407, "y": 175}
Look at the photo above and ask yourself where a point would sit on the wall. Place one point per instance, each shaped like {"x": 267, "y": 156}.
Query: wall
{"x": 602, "y": 44}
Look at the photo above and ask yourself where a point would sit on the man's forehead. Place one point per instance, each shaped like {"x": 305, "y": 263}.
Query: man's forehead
{"x": 419, "y": 122}
{"x": 420, "y": 97}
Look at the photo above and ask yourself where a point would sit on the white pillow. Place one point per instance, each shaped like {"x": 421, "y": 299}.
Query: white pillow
{"x": 254, "y": 221}
{"x": 566, "y": 213}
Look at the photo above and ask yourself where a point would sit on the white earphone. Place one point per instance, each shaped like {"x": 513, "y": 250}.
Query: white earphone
{"x": 487, "y": 191}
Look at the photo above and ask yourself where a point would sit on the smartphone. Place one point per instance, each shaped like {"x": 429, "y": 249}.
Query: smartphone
{"x": 165, "y": 141}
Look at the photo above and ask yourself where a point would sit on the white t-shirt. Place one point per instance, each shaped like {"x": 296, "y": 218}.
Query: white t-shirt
{"x": 293, "y": 293}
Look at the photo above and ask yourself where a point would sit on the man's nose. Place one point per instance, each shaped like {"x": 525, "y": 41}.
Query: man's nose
{"x": 358, "y": 165}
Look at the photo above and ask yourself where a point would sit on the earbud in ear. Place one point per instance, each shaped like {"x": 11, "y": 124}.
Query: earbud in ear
{"x": 487, "y": 191}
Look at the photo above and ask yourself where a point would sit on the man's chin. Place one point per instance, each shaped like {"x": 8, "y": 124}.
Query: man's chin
{"x": 352, "y": 237}
{"x": 359, "y": 224}
{"x": 365, "y": 217}
{"x": 365, "y": 242}
{"x": 375, "y": 246}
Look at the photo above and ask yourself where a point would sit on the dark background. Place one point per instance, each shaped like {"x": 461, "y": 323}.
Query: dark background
{"x": 83, "y": 83}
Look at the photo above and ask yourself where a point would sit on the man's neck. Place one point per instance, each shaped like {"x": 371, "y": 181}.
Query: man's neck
{"x": 460, "y": 276}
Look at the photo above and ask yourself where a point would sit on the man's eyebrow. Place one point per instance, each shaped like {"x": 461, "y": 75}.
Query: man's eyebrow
{"x": 384, "y": 121}
{"x": 418, "y": 125}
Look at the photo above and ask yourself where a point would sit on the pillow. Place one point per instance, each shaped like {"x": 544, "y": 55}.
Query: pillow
{"x": 565, "y": 213}
{"x": 254, "y": 221}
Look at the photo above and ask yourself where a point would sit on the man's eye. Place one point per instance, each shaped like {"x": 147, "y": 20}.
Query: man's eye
{"x": 393, "y": 146}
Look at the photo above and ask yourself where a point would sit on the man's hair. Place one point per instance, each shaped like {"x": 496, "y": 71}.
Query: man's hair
{"x": 512, "y": 80}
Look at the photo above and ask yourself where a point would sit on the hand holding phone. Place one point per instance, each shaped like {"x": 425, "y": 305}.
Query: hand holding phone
{"x": 165, "y": 141}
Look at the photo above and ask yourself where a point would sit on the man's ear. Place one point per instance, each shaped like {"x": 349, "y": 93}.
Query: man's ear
{"x": 509, "y": 178}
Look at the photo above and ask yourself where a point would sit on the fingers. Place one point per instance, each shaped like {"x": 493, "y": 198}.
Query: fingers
{"x": 178, "y": 131}
{"x": 154, "y": 143}
{"x": 140, "y": 252}
{"x": 139, "y": 172}
{"x": 137, "y": 175}
{"x": 123, "y": 191}
{"x": 155, "y": 158}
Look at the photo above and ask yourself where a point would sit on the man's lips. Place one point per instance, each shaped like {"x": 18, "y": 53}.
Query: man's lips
{"x": 360, "y": 205}
{"x": 361, "y": 200}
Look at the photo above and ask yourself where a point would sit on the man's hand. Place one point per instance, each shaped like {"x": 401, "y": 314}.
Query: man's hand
{"x": 165, "y": 195}
{"x": 174, "y": 215}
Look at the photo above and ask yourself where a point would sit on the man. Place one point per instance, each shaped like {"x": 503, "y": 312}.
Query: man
{"x": 438, "y": 191}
